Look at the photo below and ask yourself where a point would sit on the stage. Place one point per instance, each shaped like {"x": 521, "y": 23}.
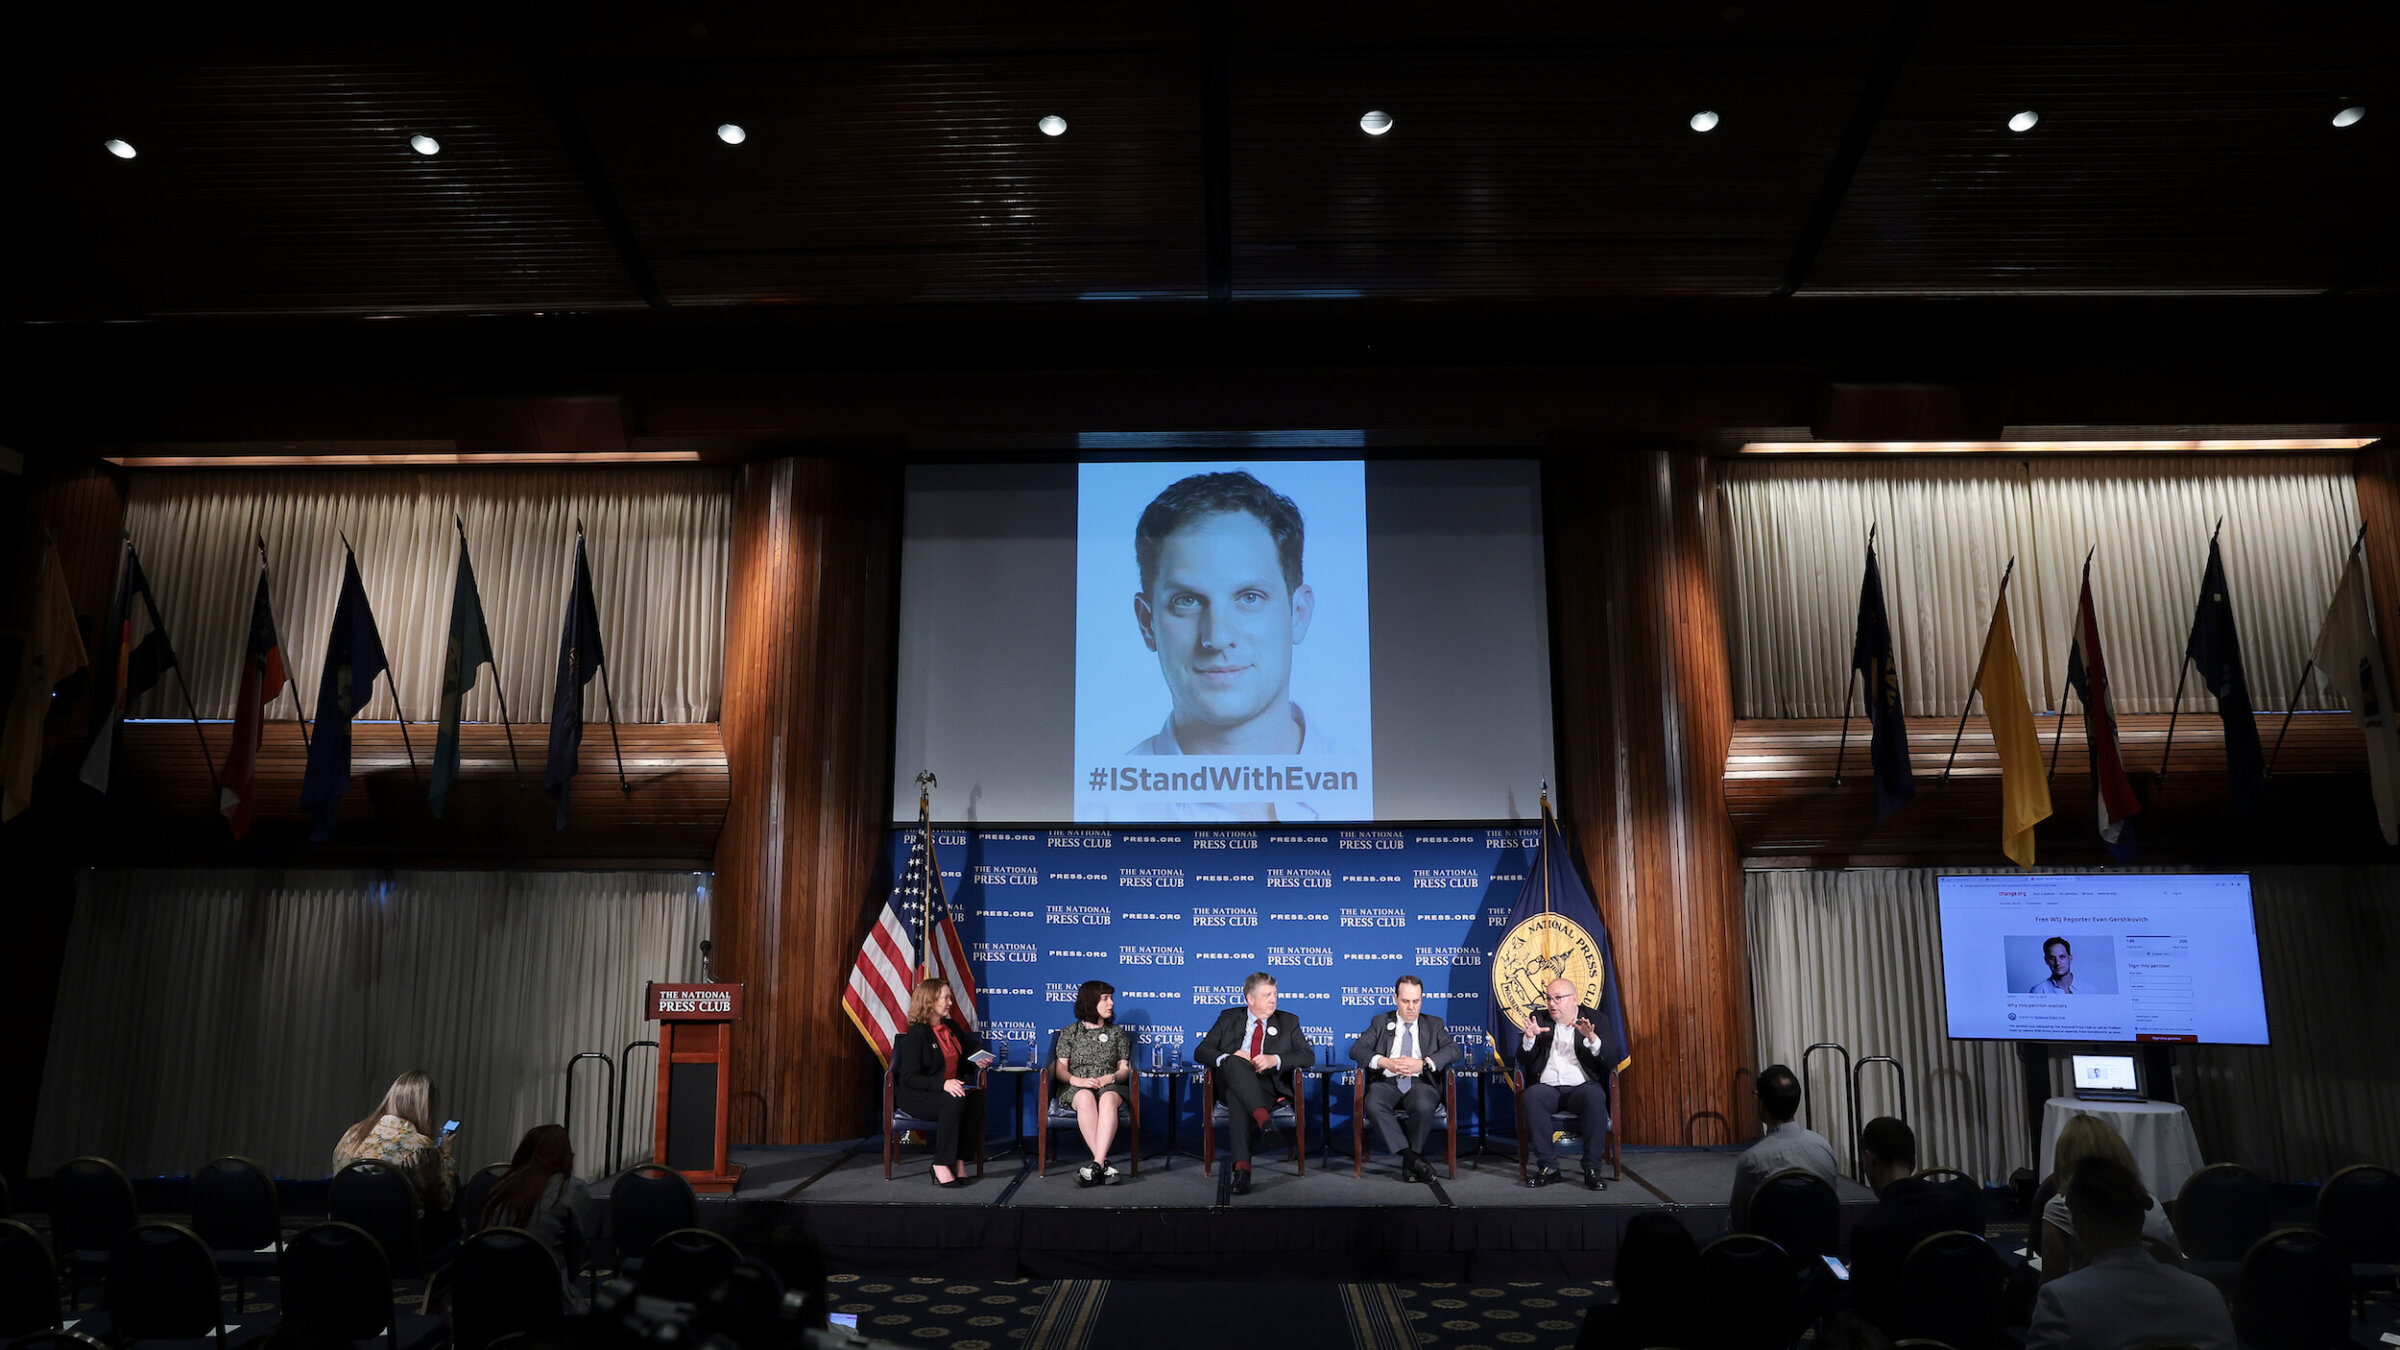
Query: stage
{"x": 1173, "y": 1221}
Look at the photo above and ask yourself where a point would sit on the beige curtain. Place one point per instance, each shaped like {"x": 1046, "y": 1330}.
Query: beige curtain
{"x": 209, "y": 1012}
{"x": 1794, "y": 543}
{"x": 1854, "y": 957}
{"x": 657, "y": 539}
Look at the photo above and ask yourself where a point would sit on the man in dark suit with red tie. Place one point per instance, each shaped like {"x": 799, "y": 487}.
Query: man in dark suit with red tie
{"x": 1254, "y": 1055}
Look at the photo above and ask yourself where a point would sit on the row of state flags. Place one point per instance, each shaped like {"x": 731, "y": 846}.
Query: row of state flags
{"x": 141, "y": 654}
{"x": 2347, "y": 654}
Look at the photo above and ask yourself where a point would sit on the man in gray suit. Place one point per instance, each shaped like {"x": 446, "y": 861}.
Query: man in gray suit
{"x": 2123, "y": 1298}
{"x": 1404, "y": 1054}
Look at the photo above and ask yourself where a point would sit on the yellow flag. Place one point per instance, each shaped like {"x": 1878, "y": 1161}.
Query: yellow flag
{"x": 2024, "y": 788}
{"x": 53, "y": 651}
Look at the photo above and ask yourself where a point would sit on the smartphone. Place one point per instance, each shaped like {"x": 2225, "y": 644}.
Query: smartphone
{"x": 449, "y": 1127}
{"x": 849, "y": 1320}
{"x": 1834, "y": 1264}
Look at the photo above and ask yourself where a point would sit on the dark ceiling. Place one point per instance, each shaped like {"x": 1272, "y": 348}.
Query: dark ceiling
{"x": 1541, "y": 153}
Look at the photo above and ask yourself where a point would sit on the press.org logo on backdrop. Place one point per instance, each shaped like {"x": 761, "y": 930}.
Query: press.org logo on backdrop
{"x": 1002, "y": 953}
{"x": 992, "y": 875}
{"x": 1224, "y": 916}
{"x": 1374, "y": 918}
{"x": 1149, "y": 956}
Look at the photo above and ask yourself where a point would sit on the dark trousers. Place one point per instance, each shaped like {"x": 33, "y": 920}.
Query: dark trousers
{"x": 1383, "y": 1098}
{"x": 956, "y": 1120}
{"x": 1244, "y": 1090}
{"x": 1544, "y": 1104}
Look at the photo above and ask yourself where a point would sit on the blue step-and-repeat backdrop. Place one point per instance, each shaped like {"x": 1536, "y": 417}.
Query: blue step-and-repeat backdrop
{"x": 1175, "y": 918}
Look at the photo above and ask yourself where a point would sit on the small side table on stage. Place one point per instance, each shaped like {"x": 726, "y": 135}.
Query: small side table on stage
{"x": 2159, "y": 1133}
{"x": 1175, "y": 1074}
{"x": 1333, "y": 1075}
{"x": 1016, "y": 1122}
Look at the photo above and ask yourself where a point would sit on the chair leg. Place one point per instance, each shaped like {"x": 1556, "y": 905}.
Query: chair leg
{"x": 1358, "y": 1145}
{"x": 1041, "y": 1151}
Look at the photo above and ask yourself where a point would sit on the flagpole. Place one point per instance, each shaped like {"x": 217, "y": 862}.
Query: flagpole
{"x": 2059, "y": 731}
{"x": 1850, "y": 686}
{"x": 492, "y": 659}
{"x": 388, "y": 682}
{"x": 1979, "y": 662}
{"x": 607, "y": 698}
{"x": 291, "y": 681}
{"x": 2175, "y": 710}
{"x": 207, "y": 757}
{"x": 926, "y": 782}
{"x": 2292, "y": 705}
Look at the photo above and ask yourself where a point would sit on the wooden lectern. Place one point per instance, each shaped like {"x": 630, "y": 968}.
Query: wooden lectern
{"x": 695, "y": 1079}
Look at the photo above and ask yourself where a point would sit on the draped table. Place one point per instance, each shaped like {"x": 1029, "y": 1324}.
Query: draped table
{"x": 2159, "y": 1133}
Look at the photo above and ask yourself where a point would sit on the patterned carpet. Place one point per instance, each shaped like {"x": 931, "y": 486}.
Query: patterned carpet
{"x": 988, "y": 1315}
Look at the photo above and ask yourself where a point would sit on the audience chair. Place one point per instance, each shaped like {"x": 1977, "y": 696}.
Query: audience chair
{"x": 58, "y": 1340}
{"x": 502, "y": 1282}
{"x": 91, "y": 1206}
{"x": 645, "y": 1201}
{"x": 685, "y": 1264}
{"x": 1972, "y": 1189}
{"x": 236, "y": 1212}
{"x": 1954, "y": 1288}
{"x": 1057, "y": 1115}
{"x": 1290, "y": 1115}
{"x": 380, "y": 1199}
{"x": 162, "y": 1285}
{"x": 1798, "y": 1211}
{"x": 1608, "y": 1145}
{"x": 5, "y": 1211}
{"x": 2220, "y": 1215}
{"x": 2359, "y": 1208}
{"x": 334, "y": 1275}
{"x": 2293, "y": 1293}
{"x": 1753, "y": 1293}
{"x": 477, "y": 1190}
{"x": 897, "y": 1122}
{"x": 1444, "y": 1113}
{"x": 28, "y": 1282}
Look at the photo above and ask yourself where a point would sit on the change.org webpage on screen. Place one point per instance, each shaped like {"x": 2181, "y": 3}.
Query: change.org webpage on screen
{"x": 1291, "y": 641}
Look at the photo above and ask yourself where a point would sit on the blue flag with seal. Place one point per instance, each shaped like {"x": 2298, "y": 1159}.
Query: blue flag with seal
{"x": 1555, "y": 933}
{"x": 353, "y": 658}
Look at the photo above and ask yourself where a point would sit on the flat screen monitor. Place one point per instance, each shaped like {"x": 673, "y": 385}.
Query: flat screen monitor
{"x": 2105, "y": 1073}
{"x": 2101, "y": 957}
{"x": 1169, "y": 639}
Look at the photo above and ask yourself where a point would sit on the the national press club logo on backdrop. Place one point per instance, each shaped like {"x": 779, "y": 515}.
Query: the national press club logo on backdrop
{"x": 1371, "y": 841}
{"x": 1006, "y": 874}
{"x": 1078, "y": 839}
{"x": 1445, "y": 879}
{"x": 1450, "y": 956}
{"x": 1372, "y": 917}
{"x": 1006, "y": 953}
{"x": 1078, "y": 916}
{"x": 1224, "y": 916}
{"x": 1299, "y": 956}
{"x": 1299, "y": 878}
{"x": 1224, "y": 841}
{"x": 1149, "y": 956}
{"x": 1150, "y": 878}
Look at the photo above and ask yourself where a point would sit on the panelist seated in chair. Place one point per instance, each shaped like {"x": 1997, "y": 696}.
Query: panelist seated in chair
{"x": 1565, "y": 1076}
{"x": 1092, "y": 1060}
{"x": 1254, "y": 1055}
{"x": 932, "y": 1077}
{"x": 1404, "y": 1054}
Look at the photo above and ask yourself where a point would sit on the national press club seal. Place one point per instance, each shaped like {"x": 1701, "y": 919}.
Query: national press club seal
{"x": 1546, "y": 946}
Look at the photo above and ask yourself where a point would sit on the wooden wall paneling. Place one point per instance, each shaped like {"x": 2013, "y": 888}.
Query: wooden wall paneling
{"x": 1779, "y": 791}
{"x": 2378, "y": 471}
{"x": 1644, "y": 720}
{"x": 808, "y": 670}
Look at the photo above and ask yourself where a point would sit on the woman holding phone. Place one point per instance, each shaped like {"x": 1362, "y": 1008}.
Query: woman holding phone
{"x": 399, "y": 1131}
{"x": 933, "y": 1068}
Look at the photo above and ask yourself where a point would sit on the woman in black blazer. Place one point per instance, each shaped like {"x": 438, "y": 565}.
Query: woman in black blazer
{"x": 933, "y": 1080}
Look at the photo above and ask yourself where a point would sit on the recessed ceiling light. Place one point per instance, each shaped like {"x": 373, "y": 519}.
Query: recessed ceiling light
{"x": 2348, "y": 117}
{"x": 731, "y": 133}
{"x": 424, "y": 144}
{"x": 1375, "y": 123}
{"x": 120, "y": 149}
{"x": 1053, "y": 125}
{"x": 2024, "y": 121}
{"x": 1704, "y": 121}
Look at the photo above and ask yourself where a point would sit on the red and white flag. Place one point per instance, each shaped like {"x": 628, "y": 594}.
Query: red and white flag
{"x": 2087, "y": 675}
{"x": 891, "y": 961}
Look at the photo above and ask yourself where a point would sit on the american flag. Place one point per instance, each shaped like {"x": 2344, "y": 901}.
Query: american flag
{"x": 891, "y": 962}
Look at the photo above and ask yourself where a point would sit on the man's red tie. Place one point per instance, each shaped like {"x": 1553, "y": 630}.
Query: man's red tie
{"x": 1257, "y": 1032}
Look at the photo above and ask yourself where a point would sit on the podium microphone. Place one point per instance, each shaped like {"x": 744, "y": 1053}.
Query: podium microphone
{"x": 705, "y": 976}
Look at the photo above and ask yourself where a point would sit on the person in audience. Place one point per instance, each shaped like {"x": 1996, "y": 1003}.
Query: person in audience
{"x": 539, "y": 1193}
{"x": 1093, "y": 1062}
{"x": 2123, "y": 1297}
{"x": 1563, "y": 1076}
{"x": 1659, "y": 1295}
{"x": 2055, "y": 1239}
{"x": 933, "y": 1078}
{"x": 1404, "y": 1054}
{"x": 400, "y": 1132}
{"x": 1784, "y": 1143}
{"x": 1908, "y": 1210}
{"x": 1253, "y": 1054}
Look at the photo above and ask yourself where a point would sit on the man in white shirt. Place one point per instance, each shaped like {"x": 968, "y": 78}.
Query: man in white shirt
{"x": 2059, "y": 955}
{"x": 2124, "y": 1297}
{"x": 1783, "y": 1145}
{"x": 1564, "y": 1074}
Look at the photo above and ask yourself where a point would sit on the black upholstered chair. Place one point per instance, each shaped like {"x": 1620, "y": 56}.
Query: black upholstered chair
{"x": 644, "y": 1203}
{"x": 2221, "y": 1214}
{"x": 28, "y": 1282}
{"x": 162, "y": 1285}
{"x": 2293, "y": 1293}
{"x": 1290, "y": 1115}
{"x": 1752, "y": 1289}
{"x": 2359, "y": 1208}
{"x": 1969, "y": 1189}
{"x": 1954, "y": 1288}
{"x": 379, "y": 1198}
{"x": 91, "y": 1206}
{"x": 897, "y": 1122}
{"x": 1798, "y": 1211}
{"x": 502, "y": 1282}
{"x": 1056, "y": 1114}
{"x": 685, "y": 1264}
{"x": 236, "y": 1212}
{"x": 334, "y": 1277}
{"x": 1608, "y": 1145}
{"x": 1445, "y": 1114}
{"x": 477, "y": 1190}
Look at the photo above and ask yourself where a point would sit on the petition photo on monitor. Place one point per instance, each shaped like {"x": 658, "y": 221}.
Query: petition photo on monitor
{"x": 1221, "y": 643}
{"x": 2061, "y": 963}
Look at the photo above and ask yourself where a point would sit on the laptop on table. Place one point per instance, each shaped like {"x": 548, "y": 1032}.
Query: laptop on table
{"x": 2106, "y": 1078}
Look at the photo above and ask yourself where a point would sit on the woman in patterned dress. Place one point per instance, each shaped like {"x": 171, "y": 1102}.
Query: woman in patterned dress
{"x": 1094, "y": 1060}
{"x": 400, "y": 1132}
